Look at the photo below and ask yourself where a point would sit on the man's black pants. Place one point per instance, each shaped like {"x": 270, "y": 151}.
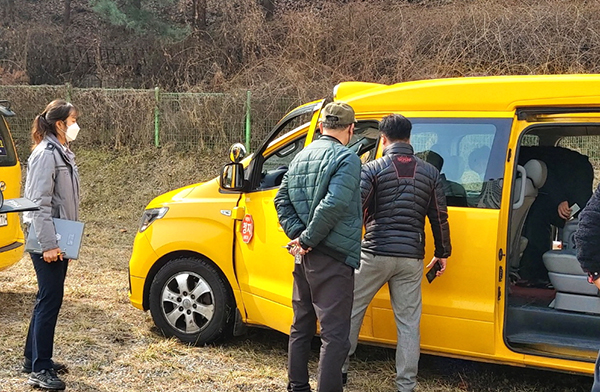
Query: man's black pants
{"x": 323, "y": 290}
{"x": 40, "y": 337}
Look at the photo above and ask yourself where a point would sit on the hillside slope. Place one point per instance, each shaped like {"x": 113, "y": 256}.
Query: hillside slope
{"x": 304, "y": 49}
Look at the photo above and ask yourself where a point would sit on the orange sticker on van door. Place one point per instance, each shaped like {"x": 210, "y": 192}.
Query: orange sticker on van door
{"x": 247, "y": 228}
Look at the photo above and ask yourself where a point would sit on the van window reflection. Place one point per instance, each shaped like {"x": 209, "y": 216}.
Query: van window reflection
{"x": 470, "y": 155}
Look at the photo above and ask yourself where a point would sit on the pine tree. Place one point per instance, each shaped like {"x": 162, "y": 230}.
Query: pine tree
{"x": 132, "y": 15}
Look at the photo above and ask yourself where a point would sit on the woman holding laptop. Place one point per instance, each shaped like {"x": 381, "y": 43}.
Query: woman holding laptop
{"x": 53, "y": 184}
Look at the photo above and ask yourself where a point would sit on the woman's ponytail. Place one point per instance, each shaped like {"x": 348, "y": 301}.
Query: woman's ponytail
{"x": 41, "y": 127}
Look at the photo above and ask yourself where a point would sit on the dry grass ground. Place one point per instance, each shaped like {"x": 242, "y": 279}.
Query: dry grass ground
{"x": 111, "y": 346}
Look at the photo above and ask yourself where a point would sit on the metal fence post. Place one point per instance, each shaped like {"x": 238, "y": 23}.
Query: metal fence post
{"x": 248, "y": 133}
{"x": 157, "y": 117}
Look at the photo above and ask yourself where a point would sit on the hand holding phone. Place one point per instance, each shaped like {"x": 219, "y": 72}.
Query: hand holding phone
{"x": 574, "y": 210}
{"x": 438, "y": 266}
{"x": 432, "y": 273}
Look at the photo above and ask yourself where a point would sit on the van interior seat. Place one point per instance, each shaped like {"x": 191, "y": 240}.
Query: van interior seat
{"x": 573, "y": 292}
{"x": 535, "y": 178}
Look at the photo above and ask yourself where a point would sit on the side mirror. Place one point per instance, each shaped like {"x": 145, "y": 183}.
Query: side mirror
{"x": 232, "y": 177}
{"x": 237, "y": 152}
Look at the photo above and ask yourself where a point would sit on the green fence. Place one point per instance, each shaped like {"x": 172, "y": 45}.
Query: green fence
{"x": 130, "y": 118}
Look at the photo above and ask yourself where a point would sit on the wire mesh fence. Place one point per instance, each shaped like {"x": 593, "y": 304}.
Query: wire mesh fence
{"x": 131, "y": 118}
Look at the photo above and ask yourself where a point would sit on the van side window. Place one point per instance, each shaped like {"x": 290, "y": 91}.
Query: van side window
{"x": 278, "y": 161}
{"x": 364, "y": 140}
{"x": 470, "y": 155}
{"x": 8, "y": 156}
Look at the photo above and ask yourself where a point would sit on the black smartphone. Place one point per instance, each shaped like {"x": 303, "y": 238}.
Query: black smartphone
{"x": 431, "y": 274}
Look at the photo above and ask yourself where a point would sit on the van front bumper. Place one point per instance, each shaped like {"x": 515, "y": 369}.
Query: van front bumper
{"x": 142, "y": 259}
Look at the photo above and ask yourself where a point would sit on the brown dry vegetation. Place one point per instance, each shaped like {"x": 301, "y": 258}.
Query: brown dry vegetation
{"x": 306, "y": 48}
{"x": 111, "y": 346}
{"x": 300, "y": 54}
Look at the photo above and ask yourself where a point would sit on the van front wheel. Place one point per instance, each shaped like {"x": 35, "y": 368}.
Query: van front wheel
{"x": 190, "y": 300}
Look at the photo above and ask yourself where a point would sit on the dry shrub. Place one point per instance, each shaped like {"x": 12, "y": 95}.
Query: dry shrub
{"x": 27, "y": 102}
{"x": 202, "y": 121}
{"x": 299, "y": 56}
{"x": 115, "y": 119}
{"x": 309, "y": 46}
{"x": 389, "y": 42}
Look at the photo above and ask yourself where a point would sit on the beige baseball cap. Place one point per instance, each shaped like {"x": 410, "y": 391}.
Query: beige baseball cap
{"x": 338, "y": 113}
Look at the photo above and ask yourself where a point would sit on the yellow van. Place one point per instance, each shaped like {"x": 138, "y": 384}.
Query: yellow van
{"x": 209, "y": 259}
{"x": 11, "y": 235}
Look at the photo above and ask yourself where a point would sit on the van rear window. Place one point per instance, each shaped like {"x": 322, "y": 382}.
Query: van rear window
{"x": 8, "y": 156}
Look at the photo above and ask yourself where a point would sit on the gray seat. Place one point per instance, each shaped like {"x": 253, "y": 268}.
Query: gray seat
{"x": 568, "y": 233}
{"x": 573, "y": 292}
{"x": 532, "y": 176}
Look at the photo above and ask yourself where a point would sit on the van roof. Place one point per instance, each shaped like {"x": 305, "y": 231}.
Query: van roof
{"x": 491, "y": 93}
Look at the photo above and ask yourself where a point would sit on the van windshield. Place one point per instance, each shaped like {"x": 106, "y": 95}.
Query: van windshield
{"x": 8, "y": 156}
{"x": 470, "y": 155}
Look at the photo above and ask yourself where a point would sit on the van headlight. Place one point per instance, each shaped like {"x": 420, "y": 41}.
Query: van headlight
{"x": 151, "y": 215}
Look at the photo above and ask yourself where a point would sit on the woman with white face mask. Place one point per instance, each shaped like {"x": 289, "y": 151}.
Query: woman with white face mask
{"x": 52, "y": 183}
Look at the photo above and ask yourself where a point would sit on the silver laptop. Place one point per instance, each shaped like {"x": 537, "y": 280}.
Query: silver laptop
{"x": 68, "y": 233}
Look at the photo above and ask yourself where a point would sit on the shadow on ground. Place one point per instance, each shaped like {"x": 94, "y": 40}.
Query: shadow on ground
{"x": 452, "y": 374}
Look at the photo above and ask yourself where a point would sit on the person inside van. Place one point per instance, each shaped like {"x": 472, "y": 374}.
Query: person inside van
{"x": 472, "y": 179}
{"x": 53, "y": 183}
{"x": 569, "y": 181}
{"x": 455, "y": 193}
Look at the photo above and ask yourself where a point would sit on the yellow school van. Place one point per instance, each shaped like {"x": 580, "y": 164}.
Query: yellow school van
{"x": 11, "y": 235}
{"x": 208, "y": 259}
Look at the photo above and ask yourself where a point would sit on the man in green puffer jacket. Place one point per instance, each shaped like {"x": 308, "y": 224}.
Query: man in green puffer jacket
{"x": 319, "y": 208}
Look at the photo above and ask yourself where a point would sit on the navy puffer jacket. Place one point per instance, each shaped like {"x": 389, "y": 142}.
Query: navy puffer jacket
{"x": 587, "y": 238}
{"x": 398, "y": 190}
{"x": 319, "y": 199}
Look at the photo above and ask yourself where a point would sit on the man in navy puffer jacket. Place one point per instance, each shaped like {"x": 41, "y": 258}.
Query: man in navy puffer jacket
{"x": 587, "y": 241}
{"x": 318, "y": 205}
{"x": 398, "y": 191}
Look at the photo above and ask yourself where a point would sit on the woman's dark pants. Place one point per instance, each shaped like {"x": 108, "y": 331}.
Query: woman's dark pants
{"x": 40, "y": 337}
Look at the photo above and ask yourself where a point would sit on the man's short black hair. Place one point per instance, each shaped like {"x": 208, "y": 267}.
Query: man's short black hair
{"x": 395, "y": 127}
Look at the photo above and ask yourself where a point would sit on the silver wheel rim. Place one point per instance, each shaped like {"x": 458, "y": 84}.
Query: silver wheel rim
{"x": 187, "y": 302}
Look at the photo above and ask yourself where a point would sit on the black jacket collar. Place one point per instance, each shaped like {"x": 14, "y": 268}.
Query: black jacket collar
{"x": 399, "y": 148}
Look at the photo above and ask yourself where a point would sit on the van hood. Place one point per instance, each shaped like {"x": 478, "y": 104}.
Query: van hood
{"x": 207, "y": 189}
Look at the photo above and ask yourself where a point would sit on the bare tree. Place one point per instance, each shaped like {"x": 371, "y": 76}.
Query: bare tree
{"x": 269, "y": 6}
{"x": 8, "y": 11}
{"x": 66, "y": 13}
{"x": 199, "y": 14}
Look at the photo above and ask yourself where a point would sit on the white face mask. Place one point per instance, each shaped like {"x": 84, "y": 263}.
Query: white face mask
{"x": 72, "y": 131}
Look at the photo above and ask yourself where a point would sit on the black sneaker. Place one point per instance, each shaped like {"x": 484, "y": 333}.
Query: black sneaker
{"x": 46, "y": 379}
{"x": 344, "y": 378}
{"x": 57, "y": 366}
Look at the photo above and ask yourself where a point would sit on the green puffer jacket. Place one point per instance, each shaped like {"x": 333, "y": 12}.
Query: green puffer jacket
{"x": 319, "y": 199}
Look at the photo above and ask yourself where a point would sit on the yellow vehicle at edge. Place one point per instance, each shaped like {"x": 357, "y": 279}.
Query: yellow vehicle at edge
{"x": 208, "y": 258}
{"x": 11, "y": 235}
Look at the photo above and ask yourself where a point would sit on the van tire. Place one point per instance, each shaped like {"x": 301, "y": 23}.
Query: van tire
{"x": 191, "y": 301}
